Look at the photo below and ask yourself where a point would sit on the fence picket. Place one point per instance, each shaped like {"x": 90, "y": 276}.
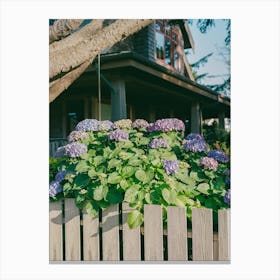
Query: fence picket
{"x": 72, "y": 231}
{"x": 131, "y": 238}
{"x": 202, "y": 234}
{"x": 90, "y": 237}
{"x": 224, "y": 234}
{"x": 177, "y": 233}
{"x": 55, "y": 231}
{"x": 110, "y": 233}
{"x": 153, "y": 233}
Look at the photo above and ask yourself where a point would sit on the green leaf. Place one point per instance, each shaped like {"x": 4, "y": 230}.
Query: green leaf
{"x": 131, "y": 194}
{"x": 169, "y": 156}
{"x": 91, "y": 208}
{"x": 185, "y": 179}
{"x": 169, "y": 196}
{"x": 210, "y": 174}
{"x": 100, "y": 192}
{"x": 148, "y": 198}
{"x": 179, "y": 202}
{"x": 144, "y": 141}
{"x": 114, "y": 178}
{"x": 203, "y": 188}
{"x": 113, "y": 163}
{"x": 128, "y": 171}
{"x": 92, "y": 173}
{"x": 210, "y": 203}
{"x": 82, "y": 180}
{"x": 134, "y": 161}
{"x": 194, "y": 175}
{"x": 114, "y": 196}
{"x": 149, "y": 175}
{"x": 67, "y": 188}
{"x": 79, "y": 200}
{"x": 82, "y": 166}
{"x": 98, "y": 160}
{"x": 135, "y": 219}
{"x": 141, "y": 175}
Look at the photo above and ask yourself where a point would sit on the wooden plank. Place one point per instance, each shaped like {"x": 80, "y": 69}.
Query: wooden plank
{"x": 224, "y": 234}
{"x": 110, "y": 233}
{"x": 55, "y": 231}
{"x": 131, "y": 238}
{"x": 215, "y": 249}
{"x": 202, "y": 234}
{"x": 177, "y": 233}
{"x": 72, "y": 231}
{"x": 153, "y": 233}
{"x": 90, "y": 237}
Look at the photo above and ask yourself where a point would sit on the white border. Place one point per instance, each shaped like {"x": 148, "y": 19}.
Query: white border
{"x": 24, "y": 138}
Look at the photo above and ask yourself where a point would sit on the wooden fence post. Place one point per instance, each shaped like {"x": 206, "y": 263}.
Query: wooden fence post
{"x": 224, "y": 234}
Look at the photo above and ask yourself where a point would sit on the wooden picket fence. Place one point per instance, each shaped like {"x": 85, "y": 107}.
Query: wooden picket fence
{"x": 76, "y": 236}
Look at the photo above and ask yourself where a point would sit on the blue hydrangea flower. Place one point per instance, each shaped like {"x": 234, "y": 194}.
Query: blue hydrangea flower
{"x": 227, "y": 197}
{"x": 118, "y": 135}
{"x": 60, "y": 152}
{"x": 105, "y": 125}
{"x": 88, "y": 125}
{"x": 165, "y": 125}
{"x": 195, "y": 146}
{"x": 218, "y": 155}
{"x": 158, "y": 143}
{"x": 54, "y": 188}
{"x": 209, "y": 163}
{"x": 77, "y": 135}
{"x": 140, "y": 123}
{"x": 195, "y": 136}
{"x": 75, "y": 149}
{"x": 170, "y": 166}
{"x": 60, "y": 176}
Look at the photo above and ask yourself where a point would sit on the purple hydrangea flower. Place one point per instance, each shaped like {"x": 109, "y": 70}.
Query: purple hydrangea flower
{"x": 125, "y": 123}
{"x": 227, "y": 180}
{"x": 60, "y": 152}
{"x": 105, "y": 125}
{"x": 227, "y": 197}
{"x": 209, "y": 163}
{"x": 170, "y": 166}
{"x": 118, "y": 135}
{"x": 60, "y": 176}
{"x": 140, "y": 123}
{"x": 195, "y": 136}
{"x": 77, "y": 135}
{"x": 195, "y": 145}
{"x": 218, "y": 155}
{"x": 54, "y": 188}
{"x": 88, "y": 125}
{"x": 150, "y": 127}
{"x": 75, "y": 149}
{"x": 167, "y": 125}
{"x": 158, "y": 143}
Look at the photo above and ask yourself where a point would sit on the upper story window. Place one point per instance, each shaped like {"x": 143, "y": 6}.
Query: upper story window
{"x": 167, "y": 44}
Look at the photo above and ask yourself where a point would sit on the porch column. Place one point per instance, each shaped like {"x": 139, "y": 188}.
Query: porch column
{"x": 118, "y": 100}
{"x": 195, "y": 117}
{"x": 221, "y": 117}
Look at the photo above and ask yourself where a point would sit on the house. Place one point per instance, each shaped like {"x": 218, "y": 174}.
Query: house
{"x": 147, "y": 76}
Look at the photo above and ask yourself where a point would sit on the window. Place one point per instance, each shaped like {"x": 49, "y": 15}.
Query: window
{"x": 166, "y": 44}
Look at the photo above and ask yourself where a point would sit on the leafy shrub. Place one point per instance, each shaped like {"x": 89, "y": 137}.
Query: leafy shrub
{"x": 140, "y": 163}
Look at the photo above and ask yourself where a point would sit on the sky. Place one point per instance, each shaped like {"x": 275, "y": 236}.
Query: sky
{"x": 205, "y": 43}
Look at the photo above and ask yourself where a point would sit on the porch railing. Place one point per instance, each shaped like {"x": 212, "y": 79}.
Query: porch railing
{"x": 54, "y": 143}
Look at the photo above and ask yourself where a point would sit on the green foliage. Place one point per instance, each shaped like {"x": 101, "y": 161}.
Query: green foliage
{"x": 130, "y": 171}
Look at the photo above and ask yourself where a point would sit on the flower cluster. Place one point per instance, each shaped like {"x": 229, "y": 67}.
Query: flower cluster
{"x": 170, "y": 166}
{"x": 118, "y": 135}
{"x": 227, "y": 179}
{"x": 54, "y": 188}
{"x": 140, "y": 123}
{"x": 105, "y": 125}
{"x": 158, "y": 143}
{"x": 59, "y": 152}
{"x": 218, "y": 155}
{"x": 195, "y": 136}
{"x": 125, "y": 123}
{"x": 77, "y": 135}
{"x": 75, "y": 149}
{"x": 227, "y": 197}
{"x": 60, "y": 176}
{"x": 209, "y": 163}
{"x": 195, "y": 145}
{"x": 88, "y": 125}
{"x": 167, "y": 125}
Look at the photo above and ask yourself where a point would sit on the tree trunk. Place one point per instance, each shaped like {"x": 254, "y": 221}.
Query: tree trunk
{"x": 63, "y": 27}
{"x": 63, "y": 57}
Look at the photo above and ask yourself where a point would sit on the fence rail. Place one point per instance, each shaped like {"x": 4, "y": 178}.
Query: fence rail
{"x": 54, "y": 143}
{"x": 76, "y": 236}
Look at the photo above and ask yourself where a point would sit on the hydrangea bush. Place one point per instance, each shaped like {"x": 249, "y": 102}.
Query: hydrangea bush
{"x": 139, "y": 163}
